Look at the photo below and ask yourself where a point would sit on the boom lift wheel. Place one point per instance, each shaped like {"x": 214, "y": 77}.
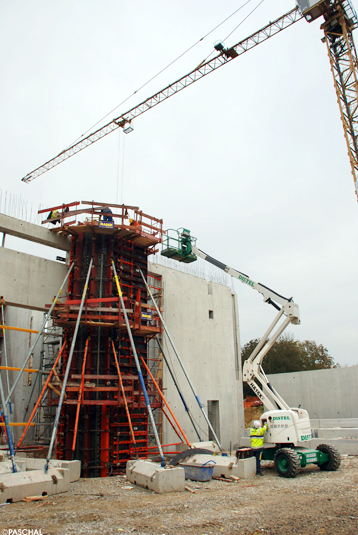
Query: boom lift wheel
{"x": 334, "y": 458}
{"x": 287, "y": 462}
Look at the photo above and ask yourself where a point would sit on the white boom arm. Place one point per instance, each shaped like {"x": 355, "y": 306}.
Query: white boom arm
{"x": 288, "y": 312}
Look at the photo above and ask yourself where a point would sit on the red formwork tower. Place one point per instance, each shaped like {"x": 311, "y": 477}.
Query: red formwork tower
{"x": 101, "y": 438}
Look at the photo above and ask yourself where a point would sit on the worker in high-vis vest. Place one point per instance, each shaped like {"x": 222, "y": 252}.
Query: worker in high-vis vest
{"x": 257, "y": 432}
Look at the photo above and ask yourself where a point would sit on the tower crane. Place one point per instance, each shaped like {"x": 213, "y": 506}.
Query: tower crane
{"x": 340, "y": 19}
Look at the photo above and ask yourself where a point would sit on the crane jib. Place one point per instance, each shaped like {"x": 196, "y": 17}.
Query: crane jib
{"x": 196, "y": 74}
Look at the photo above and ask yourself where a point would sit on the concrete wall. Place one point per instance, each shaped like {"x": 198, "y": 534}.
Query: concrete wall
{"x": 28, "y": 281}
{"x": 324, "y": 394}
{"x": 210, "y": 351}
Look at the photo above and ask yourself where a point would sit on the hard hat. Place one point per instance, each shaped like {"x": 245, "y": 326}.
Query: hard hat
{"x": 257, "y": 424}
{"x": 130, "y": 220}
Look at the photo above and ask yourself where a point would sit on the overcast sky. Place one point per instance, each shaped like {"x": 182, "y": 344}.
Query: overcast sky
{"x": 252, "y": 159}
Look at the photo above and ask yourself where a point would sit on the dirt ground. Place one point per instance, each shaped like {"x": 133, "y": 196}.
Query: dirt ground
{"x": 315, "y": 502}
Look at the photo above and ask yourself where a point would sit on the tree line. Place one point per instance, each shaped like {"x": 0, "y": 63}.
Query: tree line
{"x": 289, "y": 355}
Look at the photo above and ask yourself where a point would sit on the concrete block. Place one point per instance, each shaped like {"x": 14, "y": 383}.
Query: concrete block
{"x": 15, "y": 487}
{"x": 74, "y": 467}
{"x": 6, "y": 466}
{"x": 344, "y": 446}
{"x": 225, "y": 466}
{"x": 335, "y": 432}
{"x": 334, "y": 422}
{"x": 154, "y": 477}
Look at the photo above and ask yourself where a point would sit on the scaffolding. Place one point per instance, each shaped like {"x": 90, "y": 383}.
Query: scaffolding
{"x": 102, "y": 411}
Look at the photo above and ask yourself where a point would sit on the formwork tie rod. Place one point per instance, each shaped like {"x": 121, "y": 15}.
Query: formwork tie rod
{"x": 201, "y": 406}
{"x": 149, "y": 409}
{"x": 65, "y": 379}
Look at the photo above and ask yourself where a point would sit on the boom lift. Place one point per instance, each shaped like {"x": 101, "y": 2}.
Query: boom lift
{"x": 288, "y": 428}
{"x": 340, "y": 20}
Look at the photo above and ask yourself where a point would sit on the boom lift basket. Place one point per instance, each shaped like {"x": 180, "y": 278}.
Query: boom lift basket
{"x": 177, "y": 244}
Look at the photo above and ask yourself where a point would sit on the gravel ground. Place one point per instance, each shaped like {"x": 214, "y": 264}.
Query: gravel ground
{"x": 315, "y": 502}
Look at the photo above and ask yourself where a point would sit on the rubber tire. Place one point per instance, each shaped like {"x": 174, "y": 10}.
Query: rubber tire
{"x": 334, "y": 458}
{"x": 287, "y": 462}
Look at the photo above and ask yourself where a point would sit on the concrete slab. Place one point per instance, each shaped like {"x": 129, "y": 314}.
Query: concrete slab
{"x": 74, "y": 467}
{"x": 35, "y": 233}
{"x": 225, "y": 466}
{"x": 15, "y": 487}
{"x": 154, "y": 477}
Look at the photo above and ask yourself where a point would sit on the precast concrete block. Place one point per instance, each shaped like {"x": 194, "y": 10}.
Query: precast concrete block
{"x": 16, "y": 486}
{"x": 6, "y": 466}
{"x": 155, "y": 477}
{"x": 336, "y": 432}
{"x": 225, "y": 466}
{"x": 74, "y": 467}
{"x": 329, "y": 423}
{"x": 345, "y": 446}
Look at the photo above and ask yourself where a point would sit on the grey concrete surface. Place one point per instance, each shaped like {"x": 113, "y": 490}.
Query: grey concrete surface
{"x": 202, "y": 320}
{"x": 74, "y": 467}
{"x": 29, "y": 231}
{"x": 28, "y": 281}
{"x": 325, "y": 394}
{"x": 15, "y": 487}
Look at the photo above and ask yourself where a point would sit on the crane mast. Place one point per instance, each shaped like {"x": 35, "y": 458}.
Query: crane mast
{"x": 340, "y": 19}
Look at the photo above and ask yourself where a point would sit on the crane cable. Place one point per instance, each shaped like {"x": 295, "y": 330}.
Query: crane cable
{"x": 234, "y": 30}
{"x": 169, "y": 65}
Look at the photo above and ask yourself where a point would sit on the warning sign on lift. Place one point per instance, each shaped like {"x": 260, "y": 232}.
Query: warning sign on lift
{"x": 146, "y": 316}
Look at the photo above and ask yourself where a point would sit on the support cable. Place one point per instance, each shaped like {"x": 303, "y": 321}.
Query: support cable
{"x": 65, "y": 379}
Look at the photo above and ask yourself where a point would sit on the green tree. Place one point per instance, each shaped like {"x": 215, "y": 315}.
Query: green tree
{"x": 289, "y": 355}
